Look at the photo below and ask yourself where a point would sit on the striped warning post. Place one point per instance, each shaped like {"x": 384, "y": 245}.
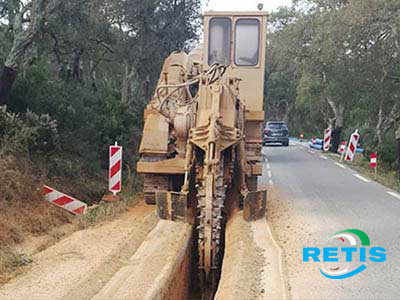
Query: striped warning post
{"x": 342, "y": 148}
{"x": 314, "y": 140}
{"x": 374, "y": 160}
{"x": 351, "y": 150}
{"x": 115, "y": 169}
{"x": 327, "y": 139}
{"x": 64, "y": 201}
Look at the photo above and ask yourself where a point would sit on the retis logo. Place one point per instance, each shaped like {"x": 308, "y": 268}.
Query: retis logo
{"x": 330, "y": 254}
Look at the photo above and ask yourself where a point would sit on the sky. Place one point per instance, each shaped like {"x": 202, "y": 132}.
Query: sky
{"x": 235, "y": 5}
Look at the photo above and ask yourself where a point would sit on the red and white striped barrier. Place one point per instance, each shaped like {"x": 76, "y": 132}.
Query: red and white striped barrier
{"x": 313, "y": 140}
{"x": 115, "y": 169}
{"x": 351, "y": 150}
{"x": 64, "y": 201}
{"x": 374, "y": 160}
{"x": 327, "y": 139}
{"x": 342, "y": 148}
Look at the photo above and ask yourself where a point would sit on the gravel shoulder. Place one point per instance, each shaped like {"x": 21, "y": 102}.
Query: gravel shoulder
{"x": 158, "y": 270}
{"x": 251, "y": 268}
{"x": 78, "y": 266}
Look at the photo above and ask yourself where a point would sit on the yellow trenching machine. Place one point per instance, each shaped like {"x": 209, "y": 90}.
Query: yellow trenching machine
{"x": 201, "y": 145}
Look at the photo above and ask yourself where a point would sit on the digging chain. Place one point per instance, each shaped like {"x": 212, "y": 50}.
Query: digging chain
{"x": 210, "y": 222}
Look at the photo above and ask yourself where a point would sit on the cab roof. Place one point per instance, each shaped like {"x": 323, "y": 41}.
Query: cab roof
{"x": 235, "y": 13}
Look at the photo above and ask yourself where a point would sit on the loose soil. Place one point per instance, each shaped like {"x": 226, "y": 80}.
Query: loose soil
{"x": 158, "y": 270}
{"x": 243, "y": 263}
{"x": 79, "y": 266}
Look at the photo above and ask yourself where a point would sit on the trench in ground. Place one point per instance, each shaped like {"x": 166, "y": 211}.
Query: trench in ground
{"x": 197, "y": 289}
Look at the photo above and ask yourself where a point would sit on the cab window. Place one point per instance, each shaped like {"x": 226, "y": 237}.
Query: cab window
{"x": 219, "y": 44}
{"x": 247, "y": 42}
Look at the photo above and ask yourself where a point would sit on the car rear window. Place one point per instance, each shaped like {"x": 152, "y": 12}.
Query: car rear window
{"x": 276, "y": 125}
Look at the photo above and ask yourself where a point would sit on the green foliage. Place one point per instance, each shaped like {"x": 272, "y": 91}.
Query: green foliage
{"x": 387, "y": 152}
{"x": 80, "y": 85}
{"x": 31, "y": 132}
{"x": 337, "y": 63}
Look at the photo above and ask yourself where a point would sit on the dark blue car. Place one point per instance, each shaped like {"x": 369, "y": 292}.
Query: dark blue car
{"x": 276, "y": 132}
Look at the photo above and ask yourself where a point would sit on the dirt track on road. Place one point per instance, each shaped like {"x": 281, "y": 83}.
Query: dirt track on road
{"x": 78, "y": 266}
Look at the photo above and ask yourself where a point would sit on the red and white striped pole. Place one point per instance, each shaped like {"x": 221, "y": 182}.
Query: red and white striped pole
{"x": 374, "y": 162}
{"x": 342, "y": 150}
{"x": 351, "y": 150}
{"x": 313, "y": 140}
{"x": 115, "y": 170}
{"x": 327, "y": 139}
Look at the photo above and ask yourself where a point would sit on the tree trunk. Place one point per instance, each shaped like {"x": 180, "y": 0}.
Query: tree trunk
{"x": 146, "y": 89}
{"x": 379, "y": 133}
{"x": 127, "y": 84}
{"x": 398, "y": 158}
{"x": 23, "y": 38}
{"x": 93, "y": 76}
{"x": 76, "y": 68}
{"x": 398, "y": 151}
{"x": 335, "y": 139}
{"x": 338, "y": 111}
{"x": 7, "y": 79}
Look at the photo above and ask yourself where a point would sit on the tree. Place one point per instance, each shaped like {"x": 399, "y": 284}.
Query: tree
{"x": 152, "y": 30}
{"x": 36, "y": 12}
{"x": 342, "y": 57}
{"x": 398, "y": 151}
{"x": 89, "y": 66}
{"x": 281, "y": 68}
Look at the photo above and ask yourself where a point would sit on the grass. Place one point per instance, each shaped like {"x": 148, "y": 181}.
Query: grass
{"x": 24, "y": 214}
{"x": 11, "y": 262}
{"x": 105, "y": 211}
{"x": 384, "y": 176}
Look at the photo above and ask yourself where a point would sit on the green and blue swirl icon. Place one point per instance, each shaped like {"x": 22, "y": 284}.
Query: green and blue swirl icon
{"x": 330, "y": 254}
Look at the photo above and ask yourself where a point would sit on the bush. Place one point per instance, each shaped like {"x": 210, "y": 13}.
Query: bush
{"x": 66, "y": 132}
{"x": 31, "y": 132}
{"x": 387, "y": 152}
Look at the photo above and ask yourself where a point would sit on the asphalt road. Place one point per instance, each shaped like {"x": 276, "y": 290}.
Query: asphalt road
{"x": 310, "y": 198}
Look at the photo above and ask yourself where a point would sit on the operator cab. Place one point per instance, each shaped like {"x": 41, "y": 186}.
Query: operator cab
{"x": 246, "y": 50}
{"x": 237, "y": 41}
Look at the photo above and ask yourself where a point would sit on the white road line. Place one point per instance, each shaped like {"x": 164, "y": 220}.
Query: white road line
{"x": 394, "y": 195}
{"x": 269, "y": 174}
{"x": 323, "y": 157}
{"x": 271, "y": 182}
{"x": 362, "y": 178}
{"x": 340, "y": 165}
{"x": 268, "y": 166}
{"x": 263, "y": 152}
